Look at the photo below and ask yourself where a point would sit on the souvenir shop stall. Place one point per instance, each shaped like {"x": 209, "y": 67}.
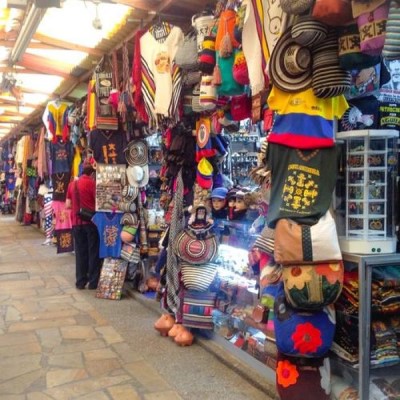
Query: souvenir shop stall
{"x": 7, "y": 181}
{"x": 257, "y": 202}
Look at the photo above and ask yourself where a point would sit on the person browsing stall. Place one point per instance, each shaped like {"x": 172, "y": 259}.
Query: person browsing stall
{"x": 82, "y": 195}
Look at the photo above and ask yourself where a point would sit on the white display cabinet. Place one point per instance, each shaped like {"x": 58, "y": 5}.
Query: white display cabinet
{"x": 365, "y": 212}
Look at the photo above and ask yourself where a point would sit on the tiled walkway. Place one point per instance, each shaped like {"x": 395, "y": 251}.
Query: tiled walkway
{"x": 60, "y": 343}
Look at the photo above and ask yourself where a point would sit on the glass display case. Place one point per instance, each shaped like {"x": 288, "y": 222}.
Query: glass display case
{"x": 365, "y": 212}
{"x": 366, "y": 349}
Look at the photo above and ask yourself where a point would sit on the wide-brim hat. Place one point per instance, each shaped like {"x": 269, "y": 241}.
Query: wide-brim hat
{"x": 136, "y": 153}
{"x": 193, "y": 250}
{"x": 129, "y": 219}
{"x": 138, "y": 176}
{"x": 328, "y": 78}
{"x": 129, "y": 193}
{"x": 309, "y": 32}
{"x": 290, "y": 64}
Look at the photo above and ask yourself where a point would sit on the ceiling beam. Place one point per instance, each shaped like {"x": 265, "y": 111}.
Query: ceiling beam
{"x": 62, "y": 44}
{"x": 139, "y": 4}
{"x": 13, "y": 70}
{"x": 13, "y": 102}
{"x": 44, "y": 65}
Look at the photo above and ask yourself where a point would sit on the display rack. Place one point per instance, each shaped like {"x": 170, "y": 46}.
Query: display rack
{"x": 365, "y": 266}
{"x": 368, "y": 196}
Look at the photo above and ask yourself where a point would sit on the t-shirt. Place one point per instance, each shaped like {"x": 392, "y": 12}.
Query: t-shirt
{"x": 302, "y": 120}
{"x": 62, "y": 215}
{"x": 60, "y": 185}
{"x": 108, "y": 147}
{"x": 302, "y": 183}
{"x": 87, "y": 197}
{"x": 389, "y": 116}
{"x": 109, "y": 229}
{"x": 61, "y": 156}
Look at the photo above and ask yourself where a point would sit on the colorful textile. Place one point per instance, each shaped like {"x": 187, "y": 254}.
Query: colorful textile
{"x": 303, "y": 183}
{"x": 198, "y": 308}
{"x": 161, "y": 77}
{"x": 108, "y": 147}
{"x": 62, "y": 216}
{"x": 302, "y": 120}
{"x": 60, "y": 185}
{"x": 61, "y": 156}
{"x": 57, "y": 119}
{"x": 109, "y": 230}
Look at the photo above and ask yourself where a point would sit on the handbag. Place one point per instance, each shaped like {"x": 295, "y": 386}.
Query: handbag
{"x": 333, "y": 12}
{"x": 130, "y": 252}
{"x": 186, "y": 56}
{"x": 84, "y": 214}
{"x": 304, "y": 244}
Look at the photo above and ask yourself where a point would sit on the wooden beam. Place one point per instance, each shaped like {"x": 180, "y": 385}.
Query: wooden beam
{"x": 139, "y": 4}
{"x": 62, "y": 44}
{"x": 44, "y": 65}
{"x": 13, "y": 102}
{"x": 17, "y": 71}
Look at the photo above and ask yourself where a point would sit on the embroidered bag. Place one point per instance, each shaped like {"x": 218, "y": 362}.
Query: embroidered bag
{"x": 372, "y": 27}
{"x": 333, "y": 12}
{"x": 198, "y": 277}
{"x": 240, "y": 107}
{"x": 197, "y": 309}
{"x": 228, "y": 87}
{"x": 391, "y": 48}
{"x": 311, "y": 287}
{"x": 130, "y": 252}
{"x": 302, "y": 333}
{"x": 305, "y": 244}
{"x": 186, "y": 56}
{"x": 303, "y": 378}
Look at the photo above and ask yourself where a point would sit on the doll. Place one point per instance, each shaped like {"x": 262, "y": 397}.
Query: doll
{"x": 219, "y": 203}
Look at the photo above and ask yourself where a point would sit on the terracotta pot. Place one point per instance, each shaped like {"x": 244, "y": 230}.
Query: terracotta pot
{"x": 176, "y": 330}
{"x": 184, "y": 338}
{"x": 164, "y": 324}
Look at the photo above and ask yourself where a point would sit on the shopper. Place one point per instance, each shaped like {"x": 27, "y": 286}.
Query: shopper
{"x": 81, "y": 194}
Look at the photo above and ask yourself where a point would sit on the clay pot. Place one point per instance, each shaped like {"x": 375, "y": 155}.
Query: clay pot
{"x": 164, "y": 324}
{"x": 175, "y": 330}
{"x": 184, "y": 338}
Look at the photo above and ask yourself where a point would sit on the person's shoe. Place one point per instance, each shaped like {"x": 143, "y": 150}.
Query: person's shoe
{"x": 92, "y": 287}
{"x": 80, "y": 287}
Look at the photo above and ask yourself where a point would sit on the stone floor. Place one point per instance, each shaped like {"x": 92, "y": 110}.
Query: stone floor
{"x": 60, "y": 343}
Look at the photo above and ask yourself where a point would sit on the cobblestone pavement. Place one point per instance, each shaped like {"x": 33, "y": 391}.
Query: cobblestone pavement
{"x": 59, "y": 343}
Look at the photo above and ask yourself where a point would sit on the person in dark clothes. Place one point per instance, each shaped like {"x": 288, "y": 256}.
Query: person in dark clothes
{"x": 82, "y": 194}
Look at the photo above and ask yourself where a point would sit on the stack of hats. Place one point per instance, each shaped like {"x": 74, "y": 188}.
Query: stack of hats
{"x": 137, "y": 157}
{"x": 130, "y": 226}
{"x": 204, "y": 175}
{"x": 329, "y": 79}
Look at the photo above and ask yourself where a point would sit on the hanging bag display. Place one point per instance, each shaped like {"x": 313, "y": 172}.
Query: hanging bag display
{"x": 130, "y": 252}
{"x": 225, "y": 40}
{"x": 103, "y": 76}
{"x": 203, "y": 24}
{"x": 187, "y": 56}
{"x": 304, "y": 244}
{"x": 333, "y": 12}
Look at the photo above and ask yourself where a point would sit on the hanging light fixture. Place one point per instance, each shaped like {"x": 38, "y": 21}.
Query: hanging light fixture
{"x": 28, "y": 29}
{"x": 96, "y": 23}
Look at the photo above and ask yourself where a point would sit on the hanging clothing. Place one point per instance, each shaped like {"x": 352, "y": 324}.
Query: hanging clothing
{"x": 266, "y": 21}
{"x": 303, "y": 120}
{"x": 109, "y": 230}
{"x": 137, "y": 78}
{"x": 60, "y": 185}
{"x": 55, "y": 118}
{"x": 61, "y": 156}
{"x": 303, "y": 183}
{"x": 161, "y": 77}
{"x": 108, "y": 146}
{"x": 42, "y": 166}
